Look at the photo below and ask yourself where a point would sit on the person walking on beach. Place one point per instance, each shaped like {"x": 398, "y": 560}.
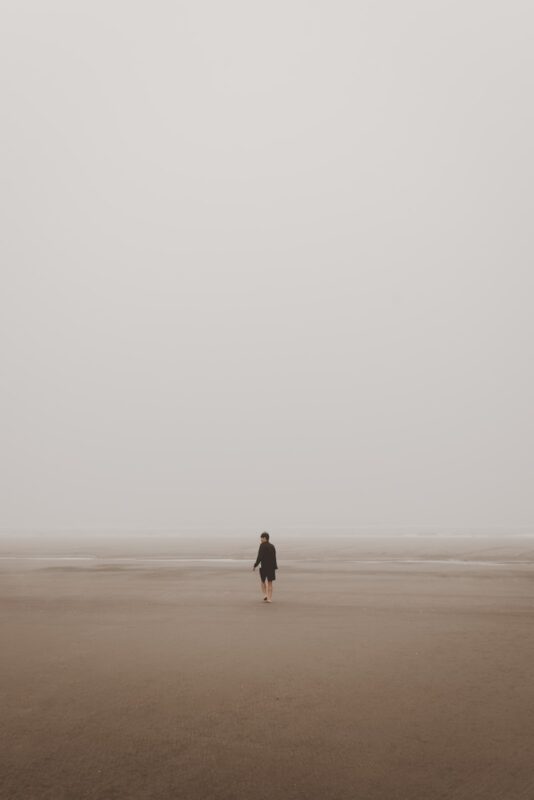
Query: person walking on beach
{"x": 267, "y": 561}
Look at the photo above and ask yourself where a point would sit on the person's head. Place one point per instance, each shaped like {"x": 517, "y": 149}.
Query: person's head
{"x": 264, "y": 537}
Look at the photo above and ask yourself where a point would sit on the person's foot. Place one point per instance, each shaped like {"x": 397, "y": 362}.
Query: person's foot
{"x": 265, "y": 600}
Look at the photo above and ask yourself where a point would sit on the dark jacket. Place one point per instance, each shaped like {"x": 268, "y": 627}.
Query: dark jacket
{"x": 267, "y": 557}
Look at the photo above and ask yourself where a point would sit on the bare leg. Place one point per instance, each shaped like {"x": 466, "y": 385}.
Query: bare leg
{"x": 269, "y": 591}
{"x": 264, "y": 590}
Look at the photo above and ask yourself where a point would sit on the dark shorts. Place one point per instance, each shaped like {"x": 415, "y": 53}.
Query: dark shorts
{"x": 267, "y": 575}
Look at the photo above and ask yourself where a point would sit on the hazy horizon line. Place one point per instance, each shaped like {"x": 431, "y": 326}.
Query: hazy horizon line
{"x": 431, "y": 527}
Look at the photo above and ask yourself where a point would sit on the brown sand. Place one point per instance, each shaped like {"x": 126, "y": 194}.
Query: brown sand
{"x": 364, "y": 679}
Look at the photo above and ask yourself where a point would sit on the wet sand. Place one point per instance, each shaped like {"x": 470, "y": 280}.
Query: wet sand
{"x": 385, "y": 668}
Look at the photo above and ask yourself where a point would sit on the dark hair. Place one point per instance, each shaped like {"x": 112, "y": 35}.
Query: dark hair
{"x": 264, "y": 536}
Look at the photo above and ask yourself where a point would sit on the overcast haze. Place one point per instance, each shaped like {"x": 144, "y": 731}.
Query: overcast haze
{"x": 266, "y": 263}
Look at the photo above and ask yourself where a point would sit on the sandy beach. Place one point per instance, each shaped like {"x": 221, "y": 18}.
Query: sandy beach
{"x": 386, "y": 668}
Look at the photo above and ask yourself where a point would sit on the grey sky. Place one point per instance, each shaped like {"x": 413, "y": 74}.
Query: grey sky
{"x": 266, "y": 263}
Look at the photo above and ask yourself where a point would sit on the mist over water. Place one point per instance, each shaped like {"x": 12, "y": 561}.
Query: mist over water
{"x": 299, "y": 549}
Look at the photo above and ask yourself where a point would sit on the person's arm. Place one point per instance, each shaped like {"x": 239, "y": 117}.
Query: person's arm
{"x": 275, "y": 564}
{"x": 258, "y": 558}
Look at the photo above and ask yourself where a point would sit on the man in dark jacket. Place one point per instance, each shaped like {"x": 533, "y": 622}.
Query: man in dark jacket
{"x": 267, "y": 561}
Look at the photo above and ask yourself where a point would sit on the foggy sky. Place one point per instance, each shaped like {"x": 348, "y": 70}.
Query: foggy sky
{"x": 266, "y": 263}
